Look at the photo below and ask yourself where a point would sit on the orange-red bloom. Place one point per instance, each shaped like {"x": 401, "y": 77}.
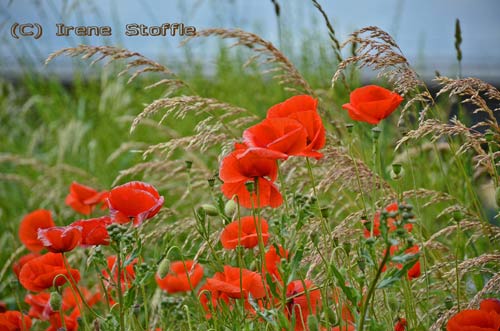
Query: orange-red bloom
{"x": 135, "y": 201}
{"x": 490, "y": 305}
{"x": 233, "y": 283}
{"x": 45, "y": 271}
{"x": 40, "y": 307}
{"x": 182, "y": 277}
{"x": 94, "y": 230}
{"x": 372, "y": 104}
{"x": 13, "y": 320}
{"x": 393, "y": 207}
{"x": 127, "y": 275}
{"x": 16, "y": 266}
{"x": 273, "y": 259}
{"x": 60, "y": 239}
{"x": 300, "y": 304}
{"x": 276, "y": 138}
{"x": 400, "y": 325}
{"x": 474, "y": 320}
{"x": 303, "y": 108}
{"x": 28, "y": 230}
{"x": 83, "y": 199}
{"x": 344, "y": 328}
{"x": 237, "y": 170}
{"x": 244, "y": 232}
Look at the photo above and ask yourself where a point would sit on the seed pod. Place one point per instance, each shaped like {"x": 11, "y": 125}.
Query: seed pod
{"x": 397, "y": 172}
{"x": 312, "y": 323}
{"x": 210, "y": 210}
{"x": 230, "y": 207}
{"x": 163, "y": 268}
{"x": 55, "y": 301}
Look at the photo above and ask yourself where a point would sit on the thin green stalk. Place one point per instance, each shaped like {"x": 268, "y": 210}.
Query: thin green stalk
{"x": 313, "y": 183}
{"x": 372, "y": 287}
{"x": 119, "y": 290}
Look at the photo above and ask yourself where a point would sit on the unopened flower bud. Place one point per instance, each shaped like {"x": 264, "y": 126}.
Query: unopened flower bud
{"x": 189, "y": 164}
{"x": 210, "y": 210}
{"x": 397, "y": 171}
{"x": 163, "y": 268}
{"x": 458, "y": 215}
{"x": 489, "y": 136}
{"x": 349, "y": 127}
{"x": 250, "y": 186}
{"x": 376, "y": 133}
{"x": 55, "y": 301}
{"x": 312, "y": 323}
{"x": 230, "y": 207}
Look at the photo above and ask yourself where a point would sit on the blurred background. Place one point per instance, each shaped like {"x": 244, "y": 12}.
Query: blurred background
{"x": 423, "y": 29}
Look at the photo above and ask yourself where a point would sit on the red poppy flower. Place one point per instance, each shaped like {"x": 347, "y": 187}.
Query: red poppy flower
{"x": 28, "y": 230}
{"x": 127, "y": 275}
{"x": 244, "y": 232}
{"x": 344, "y": 328}
{"x": 474, "y": 320}
{"x": 273, "y": 259}
{"x": 303, "y": 108}
{"x": 43, "y": 272}
{"x": 236, "y": 171}
{"x": 83, "y": 199}
{"x": 490, "y": 305}
{"x": 13, "y": 320}
{"x": 60, "y": 239}
{"x": 70, "y": 322}
{"x": 135, "y": 201}
{"x": 210, "y": 299}
{"x": 276, "y": 138}
{"x": 16, "y": 267}
{"x": 40, "y": 307}
{"x": 300, "y": 304}
{"x": 414, "y": 271}
{"x": 400, "y": 325}
{"x": 237, "y": 283}
{"x": 182, "y": 277}
{"x": 393, "y": 207}
{"x": 94, "y": 231}
{"x": 372, "y": 104}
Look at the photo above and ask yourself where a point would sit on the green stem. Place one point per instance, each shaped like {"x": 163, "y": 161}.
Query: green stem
{"x": 371, "y": 290}
{"x": 313, "y": 183}
{"x": 119, "y": 289}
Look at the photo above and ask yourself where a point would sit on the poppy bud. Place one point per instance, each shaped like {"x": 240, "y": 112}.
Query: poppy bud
{"x": 250, "y": 186}
{"x": 55, "y": 301}
{"x": 210, "y": 210}
{"x": 312, "y": 323}
{"x": 230, "y": 207}
{"x": 397, "y": 172}
{"x": 349, "y": 127}
{"x": 458, "y": 215}
{"x": 163, "y": 268}
{"x": 189, "y": 165}
{"x": 489, "y": 136}
{"x": 376, "y": 131}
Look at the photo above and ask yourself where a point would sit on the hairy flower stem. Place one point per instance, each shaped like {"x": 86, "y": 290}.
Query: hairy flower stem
{"x": 326, "y": 228}
{"x": 372, "y": 287}
{"x": 75, "y": 287}
{"x": 260, "y": 238}
{"x": 119, "y": 289}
